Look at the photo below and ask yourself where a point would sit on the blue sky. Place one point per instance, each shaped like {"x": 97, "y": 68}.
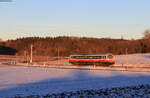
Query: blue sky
{"x": 89, "y": 18}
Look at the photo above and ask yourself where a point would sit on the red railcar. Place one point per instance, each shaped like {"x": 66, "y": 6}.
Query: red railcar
{"x": 92, "y": 59}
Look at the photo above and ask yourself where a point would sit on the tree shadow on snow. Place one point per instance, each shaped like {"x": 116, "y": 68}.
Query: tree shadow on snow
{"x": 147, "y": 56}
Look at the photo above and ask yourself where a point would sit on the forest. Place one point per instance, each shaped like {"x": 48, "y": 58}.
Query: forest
{"x": 65, "y": 46}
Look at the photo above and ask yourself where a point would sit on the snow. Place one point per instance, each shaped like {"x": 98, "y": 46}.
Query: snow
{"x": 139, "y": 91}
{"x": 25, "y": 81}
{"x": 133, "y": 59}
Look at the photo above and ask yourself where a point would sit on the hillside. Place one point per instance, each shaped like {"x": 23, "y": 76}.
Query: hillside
{"x": 51, "y": 46}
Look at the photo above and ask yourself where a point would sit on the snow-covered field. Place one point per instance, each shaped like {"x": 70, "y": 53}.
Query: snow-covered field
{"x": 25, "y": 81}
{"x": 133, "y": 59}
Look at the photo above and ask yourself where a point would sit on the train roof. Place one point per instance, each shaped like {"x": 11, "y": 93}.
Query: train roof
{"x": 91, "y": 54}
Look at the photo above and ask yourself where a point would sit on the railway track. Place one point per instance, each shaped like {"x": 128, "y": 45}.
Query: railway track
{"x": 114, "y": 68}
{"x": 67, "y": 66}
{"x": 111, "y": 68}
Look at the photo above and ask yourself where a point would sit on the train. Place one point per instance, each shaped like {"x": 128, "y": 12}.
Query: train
{"x": 92, "y": 59}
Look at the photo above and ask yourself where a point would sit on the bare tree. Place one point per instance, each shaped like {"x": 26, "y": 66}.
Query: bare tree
{"x": 147, "y": 34}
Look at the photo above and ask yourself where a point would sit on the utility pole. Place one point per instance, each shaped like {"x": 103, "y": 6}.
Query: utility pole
{"x": 31, "y": 54}
{"x": 58, "y": 55}
{"x": 126, "y": 51}
{"x": 122, "y": 37}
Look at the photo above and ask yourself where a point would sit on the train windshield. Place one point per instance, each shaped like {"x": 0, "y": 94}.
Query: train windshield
{"x": 110, "y": 57}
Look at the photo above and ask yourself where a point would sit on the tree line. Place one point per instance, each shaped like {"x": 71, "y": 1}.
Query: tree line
{"x": 65, "y": 46}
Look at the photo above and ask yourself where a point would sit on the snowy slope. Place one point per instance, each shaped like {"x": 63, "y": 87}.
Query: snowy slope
{"x": 24, "y": 81}
{"x": 134, "y": 59}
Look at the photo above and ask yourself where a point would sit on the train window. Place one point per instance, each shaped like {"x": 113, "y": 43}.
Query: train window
{"x": 86, "y": 57}
{"x": 97, "y": 57}
{"x": 72, "y": 57}
{"x": 75, "y": 57}
{"x": 83, "y": 57}
{"x": 110, "y": 57}
{"x": 93, "y": 57}
{"x": 89, "y": 57}
{"x": 103, "y": 57}
{"x": 78, "y": 57}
